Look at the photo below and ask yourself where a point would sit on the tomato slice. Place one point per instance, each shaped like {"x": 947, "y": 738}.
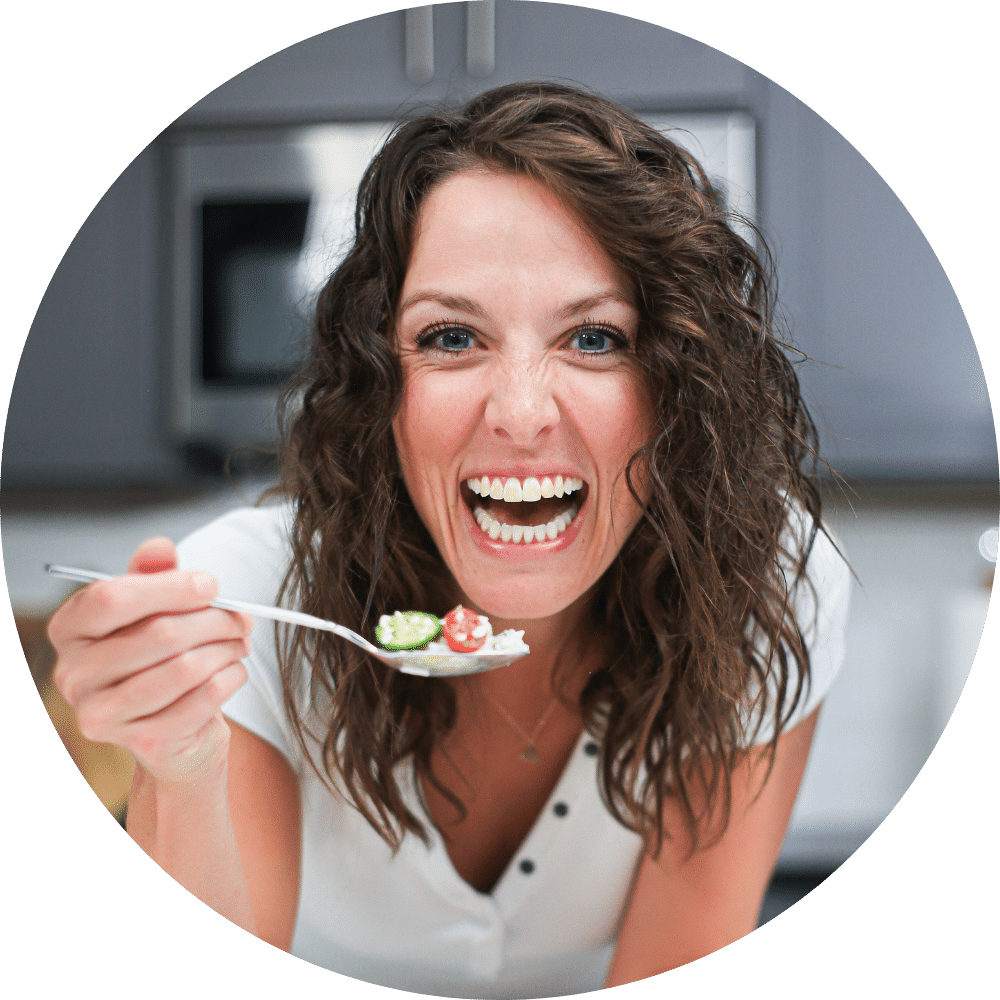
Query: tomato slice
{"x": 460, "y": 624}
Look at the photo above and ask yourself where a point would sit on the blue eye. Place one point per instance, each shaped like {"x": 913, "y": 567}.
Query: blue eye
{"x": 594, "y": 341}
{"x": 455, "y": 340}
{"x": 451, "y": 339}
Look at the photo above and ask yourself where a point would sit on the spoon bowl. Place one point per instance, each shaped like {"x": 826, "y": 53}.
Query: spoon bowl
{"x": 431, "y": 663}
{"x": 419, "y": 662}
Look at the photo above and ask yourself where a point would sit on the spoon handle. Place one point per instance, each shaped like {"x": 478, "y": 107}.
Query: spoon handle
{"x": 230, "y": 604}
{"x": 71, "y": 573}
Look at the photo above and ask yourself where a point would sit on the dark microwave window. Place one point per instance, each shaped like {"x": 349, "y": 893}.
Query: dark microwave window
{"x": 252, "y": 323}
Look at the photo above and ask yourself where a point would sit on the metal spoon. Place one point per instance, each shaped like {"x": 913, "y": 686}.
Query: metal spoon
{"x": 421, "y": 662}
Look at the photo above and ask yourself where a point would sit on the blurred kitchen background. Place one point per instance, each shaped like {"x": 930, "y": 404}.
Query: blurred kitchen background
{"x": 181, "y": 303}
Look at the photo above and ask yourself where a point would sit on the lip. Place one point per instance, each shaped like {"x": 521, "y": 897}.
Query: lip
{"x": 520, "y": 552}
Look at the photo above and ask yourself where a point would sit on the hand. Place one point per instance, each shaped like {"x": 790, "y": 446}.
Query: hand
{"x": 147, "y": 664}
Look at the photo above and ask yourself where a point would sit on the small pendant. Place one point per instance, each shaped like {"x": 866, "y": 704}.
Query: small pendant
{"x": 529, "y": 754}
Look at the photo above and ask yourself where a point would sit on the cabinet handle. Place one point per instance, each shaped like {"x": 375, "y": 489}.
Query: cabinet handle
{"x": 480, "y": 37}
{"x": 420, "y": 43}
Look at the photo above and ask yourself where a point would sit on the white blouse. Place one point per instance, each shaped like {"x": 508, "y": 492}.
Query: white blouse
{"x": 408, "y": 920}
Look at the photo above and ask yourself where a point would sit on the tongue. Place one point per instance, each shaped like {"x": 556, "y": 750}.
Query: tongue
{"x": 528, "y": 514}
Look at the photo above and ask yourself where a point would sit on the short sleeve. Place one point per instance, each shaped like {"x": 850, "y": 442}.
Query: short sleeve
{"x": 821, "y": 613}
{"x": 247, "y": 551}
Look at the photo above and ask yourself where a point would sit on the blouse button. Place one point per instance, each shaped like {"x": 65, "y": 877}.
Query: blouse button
{"x": 560, "y": 809}
{"x": 527, "y": 866}
{"x": 591, "y": 749}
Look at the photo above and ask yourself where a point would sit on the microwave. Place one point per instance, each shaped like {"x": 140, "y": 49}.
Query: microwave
{"x": 259, "y": 220}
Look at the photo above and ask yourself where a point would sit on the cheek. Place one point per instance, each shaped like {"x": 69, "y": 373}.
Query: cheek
{"x": 615, "y": 417}
{"x": 432, "y": 421}
{"x": 633, "y": 429}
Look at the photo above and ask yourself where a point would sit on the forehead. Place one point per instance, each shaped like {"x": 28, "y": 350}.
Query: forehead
{"x": 486, "y": 221}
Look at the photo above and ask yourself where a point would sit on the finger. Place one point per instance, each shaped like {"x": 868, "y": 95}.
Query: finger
{"x": 155, "y": 555}
{"x": 102, "y": 715}
{"x": 169, "y": 730}
{"x": 94, "y": 665}
{"x": 109, "y": 605}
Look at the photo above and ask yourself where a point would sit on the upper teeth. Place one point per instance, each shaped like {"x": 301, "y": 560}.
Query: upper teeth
{"x": 514, "y": 490}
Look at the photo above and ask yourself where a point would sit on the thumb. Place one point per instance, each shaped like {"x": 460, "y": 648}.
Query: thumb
{"x": 154, "y": 556}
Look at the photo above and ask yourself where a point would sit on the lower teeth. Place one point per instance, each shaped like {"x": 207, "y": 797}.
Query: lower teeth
{"x": 518, "y": 533}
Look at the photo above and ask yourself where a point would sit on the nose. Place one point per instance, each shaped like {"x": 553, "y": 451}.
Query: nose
{"x": 521, "y": 406}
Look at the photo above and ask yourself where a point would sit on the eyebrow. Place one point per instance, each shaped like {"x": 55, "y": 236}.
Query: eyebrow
{"x": 462, "y": 304}
{"x": 456, "y": 302}
{"x": 591, "y": 302}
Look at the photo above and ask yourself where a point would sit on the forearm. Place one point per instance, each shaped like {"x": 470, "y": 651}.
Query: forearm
{"x": 684, "y": 929}
{"x": 187, "y": 829}
{"x": 684, "y": 906}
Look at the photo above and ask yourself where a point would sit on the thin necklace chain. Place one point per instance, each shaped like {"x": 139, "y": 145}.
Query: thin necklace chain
{"x": 529, "y": 752}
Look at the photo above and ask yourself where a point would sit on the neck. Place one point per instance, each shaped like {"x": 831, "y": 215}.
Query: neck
{"x": 564, "y": 648}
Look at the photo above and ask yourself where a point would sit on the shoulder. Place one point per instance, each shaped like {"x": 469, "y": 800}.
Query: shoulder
{"x": 820, "y": 602}
{"x": 246, "y": 550}
{"x": 827, "y": 570}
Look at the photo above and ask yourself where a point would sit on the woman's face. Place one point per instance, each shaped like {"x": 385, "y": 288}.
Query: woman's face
{"x": 516, "y": 335}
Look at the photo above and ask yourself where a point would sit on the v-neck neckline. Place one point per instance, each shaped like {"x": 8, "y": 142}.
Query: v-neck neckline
{"x": 445, "y": 877}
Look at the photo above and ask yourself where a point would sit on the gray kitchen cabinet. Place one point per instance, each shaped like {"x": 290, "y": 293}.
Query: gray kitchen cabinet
{"x": 87, "y": 404}
{"x": 896, "y": 387}
{"x": 358, "y": 70}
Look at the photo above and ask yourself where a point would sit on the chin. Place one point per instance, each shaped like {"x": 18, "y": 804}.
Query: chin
{"x": 521, "y": 601}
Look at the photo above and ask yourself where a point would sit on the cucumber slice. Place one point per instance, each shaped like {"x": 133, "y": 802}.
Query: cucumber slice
{"x": 407, "y": 630}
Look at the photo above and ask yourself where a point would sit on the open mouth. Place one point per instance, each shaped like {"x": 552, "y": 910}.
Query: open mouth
{"x": 524, "y": 511}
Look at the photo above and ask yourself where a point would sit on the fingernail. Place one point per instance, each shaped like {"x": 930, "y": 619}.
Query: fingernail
{"x": 204, "y": 583}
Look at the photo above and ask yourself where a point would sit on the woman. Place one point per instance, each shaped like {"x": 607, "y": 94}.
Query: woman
{"x": 541, "y": 288}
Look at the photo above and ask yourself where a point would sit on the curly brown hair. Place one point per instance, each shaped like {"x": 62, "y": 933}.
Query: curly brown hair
{"x": 698, "y": 599}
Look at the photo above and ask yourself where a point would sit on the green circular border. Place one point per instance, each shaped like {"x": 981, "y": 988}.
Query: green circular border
{"x": 89, "y": 85}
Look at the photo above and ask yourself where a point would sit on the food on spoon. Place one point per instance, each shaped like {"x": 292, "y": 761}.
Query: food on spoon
{"x": 508, "y": 641}
{"x": 407, "y": 630}
{"x": 465, "y": 631}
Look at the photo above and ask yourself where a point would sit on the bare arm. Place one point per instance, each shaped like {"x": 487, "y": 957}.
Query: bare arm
{"x": 233, "y": 840}
{"x": 683, "y": 908}
{"x": 266, "y": 814}
{"x": 147, "y": 665}
{"x": 187, "y": 829}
